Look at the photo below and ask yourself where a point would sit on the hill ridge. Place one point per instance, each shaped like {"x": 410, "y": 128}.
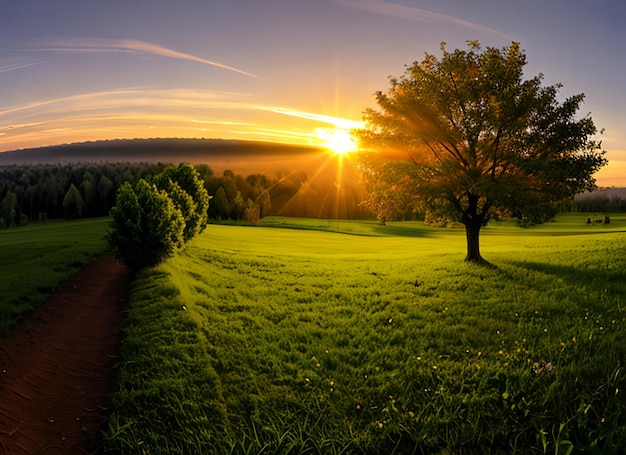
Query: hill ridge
{"x": 155, "y": 149}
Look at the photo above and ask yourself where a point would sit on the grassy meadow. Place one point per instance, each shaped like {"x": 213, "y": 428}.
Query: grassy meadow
{"x": 36, "y": 257}
{"x": 341, "y": 337}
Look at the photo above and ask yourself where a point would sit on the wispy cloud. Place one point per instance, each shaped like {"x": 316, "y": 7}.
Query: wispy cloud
{"x": 124, "y": 112}
{"x": 130, "y": 46}
{"x": 220, "y": 122}
{"x": 5, "y": 68}
{"x": 17, "y": 126}
{"x": 390, "y": 8}
{"x": 143, "y": 100}
{"x": 127, "y": 98}
{"x": 338, "y": 122}
{"x": 52, "y": 101}
{"x": 278, "y": 135}
{"x": 151, "y": 112}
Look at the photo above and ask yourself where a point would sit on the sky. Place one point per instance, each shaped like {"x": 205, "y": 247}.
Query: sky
{"x": 294, "y": 71}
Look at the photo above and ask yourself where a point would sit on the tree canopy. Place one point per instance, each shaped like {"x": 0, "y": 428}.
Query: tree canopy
{"x": 485, "y": 141}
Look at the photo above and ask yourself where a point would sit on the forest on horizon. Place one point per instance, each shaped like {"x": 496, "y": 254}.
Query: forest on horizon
{"x": 247, "y": 180}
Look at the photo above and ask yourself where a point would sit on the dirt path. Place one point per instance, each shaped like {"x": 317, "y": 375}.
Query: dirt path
{"x": 55, "y": 367}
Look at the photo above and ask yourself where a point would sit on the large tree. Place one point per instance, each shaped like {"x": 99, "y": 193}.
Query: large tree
{"x": 487, "y": 141}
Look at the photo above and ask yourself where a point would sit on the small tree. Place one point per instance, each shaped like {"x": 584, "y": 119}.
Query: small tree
{"x": 105, "y": 192}
{"x": 146, "y": 227}
{"x": 252, "y": 212}
{"x": 73, "y": 203}
{"x": 238, "y": 206}
{"x": 264, "y": 201}
{"x": 9, "y": 209}
{"x": 88, "y": 190}
{"x": 487, "y": 142}
{"x": 220, "y": 206}
{"x": 188, "y": 179}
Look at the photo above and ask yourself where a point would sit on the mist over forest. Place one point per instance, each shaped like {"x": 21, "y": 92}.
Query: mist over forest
{"x": 247, "y": 156}
{"x": 247, "y": 180}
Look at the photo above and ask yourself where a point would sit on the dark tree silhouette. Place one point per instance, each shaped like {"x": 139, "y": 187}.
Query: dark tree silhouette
{"x": 9, "y": 209}
{"x": 73, "y": 203}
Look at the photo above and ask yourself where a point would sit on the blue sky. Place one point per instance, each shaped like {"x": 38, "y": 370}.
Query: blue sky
{"x": 276, "y": 70}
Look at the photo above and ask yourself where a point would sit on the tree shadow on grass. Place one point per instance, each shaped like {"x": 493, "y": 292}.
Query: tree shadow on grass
{"x": 483, "y": 264}
{"x": 403, "y": 231}
{"x": 373, "y": 230}
{"x": 591, "y": 279}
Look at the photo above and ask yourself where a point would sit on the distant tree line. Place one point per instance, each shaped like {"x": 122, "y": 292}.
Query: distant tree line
{"x": 31, "y": 193}
{"x": 53, "y": 191}
{"x": 598, "y": 202}
{"x": 250, "y": 198}
{"x": 37, "y": 192}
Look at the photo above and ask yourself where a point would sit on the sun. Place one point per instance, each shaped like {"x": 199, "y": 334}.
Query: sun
{"x": 338, "y": 140}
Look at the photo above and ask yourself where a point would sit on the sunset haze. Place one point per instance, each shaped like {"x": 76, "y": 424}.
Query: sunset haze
{"x": 298, "y": 72}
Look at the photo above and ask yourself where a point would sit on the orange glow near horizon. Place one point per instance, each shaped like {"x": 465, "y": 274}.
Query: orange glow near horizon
{"x": 614, "y": 174}
{"x": 337, "y": 137}
{"x": 338, "y": 140}
{"x": 147, "y": 112}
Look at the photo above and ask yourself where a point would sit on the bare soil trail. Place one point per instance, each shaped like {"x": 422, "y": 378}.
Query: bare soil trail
{"x": 56, "y": 374}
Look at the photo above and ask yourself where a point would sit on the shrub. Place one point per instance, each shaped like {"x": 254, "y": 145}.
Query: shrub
{"x": 187, "y": 179}
{"x": 146, "y": 226}
{"x": 183, "y": 202}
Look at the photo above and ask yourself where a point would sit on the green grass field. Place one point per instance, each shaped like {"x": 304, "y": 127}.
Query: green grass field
{"x": 34, "y": 259}
{"x": 309, "y": 336}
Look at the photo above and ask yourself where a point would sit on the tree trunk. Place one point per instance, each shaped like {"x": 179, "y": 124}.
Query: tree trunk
{"x": 472, "y": 232}
{"x": 473, "y": 219}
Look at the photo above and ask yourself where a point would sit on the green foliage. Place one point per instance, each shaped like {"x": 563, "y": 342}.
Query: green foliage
{"x": 41, "y": 188}
{"x": 195, "y": 210}
{"x": 183, "y": 202}
{"x": 106, "y": 192}
{"x": 221, "y": 206}
{"x": 9, "y": 209}
{"x": 486, "y": 141}
{"x": 151, "y": 221}
{"x": 146, "y": 226}
{"x": 350, "y": 337}
{"x": 257, "y": 196}
{"x": 389, "y": 187}
{"x": 73, "y": 203}
{"x": 36, "y": 258}
{"x": 252, "y": 212}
